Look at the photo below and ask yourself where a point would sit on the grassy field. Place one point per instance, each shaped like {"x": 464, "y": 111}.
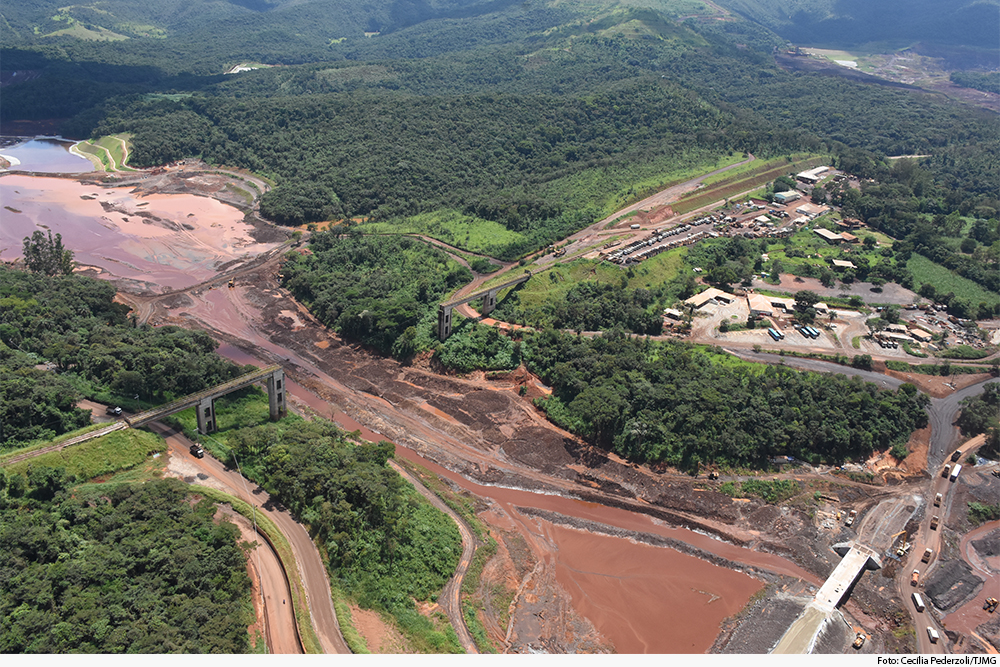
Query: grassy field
{"x": 114, "y": 452}
{"x": 944, "y": 281}
{"x": 744, "y": 179}
{"x": 108, "y": 150}
{"x": 453, "y": 227}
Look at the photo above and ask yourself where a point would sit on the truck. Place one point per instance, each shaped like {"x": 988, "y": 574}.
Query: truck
{"x": 927, "y": 555}
{"x": 946, "y": 471}
{"x": 935, "y": 520}
{"x": 915, "y": 578}
{"x": 956, "y": 455}
{"x": 850, "y": 518}
{"x": 990, "y": 605}
{"x": 918, "y": 602}
{"x": 954, "y": 471}
{"x": 932, "y": 634}
{"x": 937, "y": 500}
{"x": 114, "y": 410}
{"x": 859, "y": 641}
{"x": 197, "y": 451}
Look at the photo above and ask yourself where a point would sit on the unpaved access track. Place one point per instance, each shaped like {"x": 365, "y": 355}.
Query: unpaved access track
{"x": 307, "y": 557}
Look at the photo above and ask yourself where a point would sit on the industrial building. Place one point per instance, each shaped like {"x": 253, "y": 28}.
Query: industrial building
{"x": 827, "y": 235}
{"x": 787, "y": 196}
{"x": 843, "y": 264}
{"x": 811, "y": 210}
{"x": 812, "y": 176}
{"x": 711, "y": 294}
{"x": 760, "y": 305}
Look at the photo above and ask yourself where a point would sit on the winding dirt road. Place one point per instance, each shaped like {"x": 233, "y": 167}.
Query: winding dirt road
{"x": 311, "y": 568}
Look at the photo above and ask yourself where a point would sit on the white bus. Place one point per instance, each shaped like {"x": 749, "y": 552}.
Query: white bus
{"x": 918, "y": 602}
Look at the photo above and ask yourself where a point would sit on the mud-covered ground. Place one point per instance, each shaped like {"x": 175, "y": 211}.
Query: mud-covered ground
{"x": 482, "y": 429}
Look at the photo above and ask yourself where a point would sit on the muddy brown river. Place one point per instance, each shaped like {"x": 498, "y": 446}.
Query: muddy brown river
{"x": 643, "y": 598}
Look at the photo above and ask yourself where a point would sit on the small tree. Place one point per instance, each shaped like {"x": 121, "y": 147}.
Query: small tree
{"x": 47, "y": 255}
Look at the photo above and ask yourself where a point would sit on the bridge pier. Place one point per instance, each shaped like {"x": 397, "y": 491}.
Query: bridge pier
{"x": 444, "y": 322}
{"x": 205, "y": 409}
{"x": 276, "y": 394}
{"x": 489, "y": 302}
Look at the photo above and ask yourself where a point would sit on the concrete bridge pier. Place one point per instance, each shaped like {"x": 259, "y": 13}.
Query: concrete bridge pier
{"x": 489, "y": 302}
{"x": 276, "y": 394}
{"x": 205, "y": 409}
{"x": 444, "y": 322}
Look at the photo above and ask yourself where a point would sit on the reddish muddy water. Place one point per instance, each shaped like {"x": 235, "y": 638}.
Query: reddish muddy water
{"x": 643, "y": 598}
{"x": 165, "y": 241}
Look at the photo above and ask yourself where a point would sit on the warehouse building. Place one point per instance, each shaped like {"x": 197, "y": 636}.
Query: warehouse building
{"x": 787, "y": 196}
{"x": 827, "y": 235}
{"x": 712, "y": 295}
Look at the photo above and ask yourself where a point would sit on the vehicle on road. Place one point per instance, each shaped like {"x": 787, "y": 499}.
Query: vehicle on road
{"x": 197, "y": 451}
{"x": 954, "y": 473}
{"x": 114, "y": 410}
{"x": 995, "y": 473}
{"x": 956, "y": 455}
{"x": 927, "y": 555}
{"x": 990, "y": 605}
{"x": 935, "y": 520}
{"x": 918, "y": 602}
{"x": 850, "y": 517}
{"x": 946, "y": 471}
{"x": 859, "y": 641}
{"x": 937, "y": 500}
{"x": 915, "y": 578}
{"x": 932, "y": 634}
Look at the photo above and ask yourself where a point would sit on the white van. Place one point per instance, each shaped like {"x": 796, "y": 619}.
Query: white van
{"x": 932, "y": 634}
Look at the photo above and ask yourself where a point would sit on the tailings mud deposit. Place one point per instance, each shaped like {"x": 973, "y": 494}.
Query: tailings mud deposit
{"x": 586, "y": 517}
{"x": 155, "y": 243}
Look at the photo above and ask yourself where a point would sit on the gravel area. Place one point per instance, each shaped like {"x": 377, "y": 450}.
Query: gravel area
{"x": 762, "y": 625}
{"x": 951, "y": 584}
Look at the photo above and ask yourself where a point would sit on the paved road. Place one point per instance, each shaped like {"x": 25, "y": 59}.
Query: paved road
{"x": 311, "y": 568}
{"x": 943, "y": 413}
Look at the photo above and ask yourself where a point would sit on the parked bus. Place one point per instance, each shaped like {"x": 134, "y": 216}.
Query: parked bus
{"x": 813, "y": 332}
{"x": 774, "y": 334}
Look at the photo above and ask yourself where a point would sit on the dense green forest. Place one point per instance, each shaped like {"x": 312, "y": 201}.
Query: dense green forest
{"x": 382, "y": 291}
{"x": 536, "y": 119}
{"x": 676, "y": 403}
{"x": 72, "y": 323}
{"x": 985, "y": 81}
{"x": 385, "y": 545}
{"x": 122, "y": 569}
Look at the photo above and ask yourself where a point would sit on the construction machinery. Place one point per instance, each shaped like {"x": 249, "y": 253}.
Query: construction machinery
{"x": 990, "y": 605}
{"x": 915, "y": 578}
{"x": 859, "y": 641}
{"x": 850, "y": 518}
{"x": 232, "y": 283}
{"x": 927, "y": 555}
{"x": 935, "y": 520}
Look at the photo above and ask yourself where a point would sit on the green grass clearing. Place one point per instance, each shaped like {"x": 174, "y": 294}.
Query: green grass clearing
{"x": 467, "y": 232}
{"x": 113, "y": 452}
{"x": 944, "y": 281}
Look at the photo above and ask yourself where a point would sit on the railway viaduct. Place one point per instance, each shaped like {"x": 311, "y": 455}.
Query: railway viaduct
{"x": 489, "y": 297}
{"x": 273, "y": 376}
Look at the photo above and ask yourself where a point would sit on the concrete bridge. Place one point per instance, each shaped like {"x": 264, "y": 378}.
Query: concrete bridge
{"x": 489, "y": 297}
{"x": 273, "y": 376}
{"x": 802, "y": 634}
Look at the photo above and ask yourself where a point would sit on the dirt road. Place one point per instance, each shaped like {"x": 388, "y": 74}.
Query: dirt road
{"x": 269, "y": 578}
{"x": 451, "y": 597}
{"x": 307, "y": 557}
